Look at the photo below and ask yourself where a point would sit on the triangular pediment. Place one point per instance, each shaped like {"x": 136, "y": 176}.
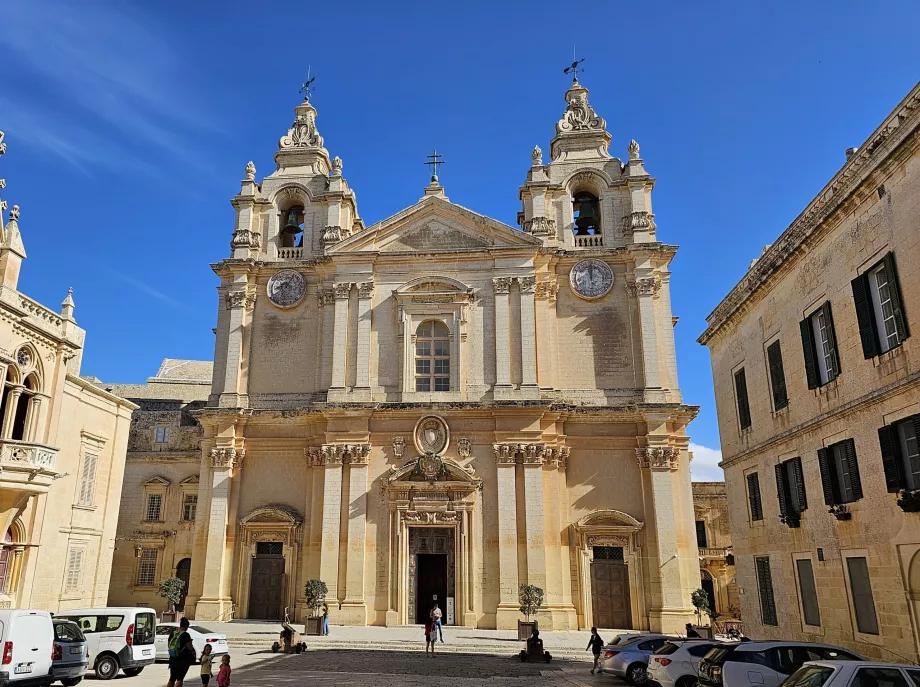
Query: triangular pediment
{"x": 436, "y": 225}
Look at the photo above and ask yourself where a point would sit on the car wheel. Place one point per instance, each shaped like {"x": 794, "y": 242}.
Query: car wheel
{"x": 637, "y": 674}
{"x": 131, "y": 672}
{"x": 687, "y": 681}
{"x": 71, "y": 681}
{"x": 106, "y": 668}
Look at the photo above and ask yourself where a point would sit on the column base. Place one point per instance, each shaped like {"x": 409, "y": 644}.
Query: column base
{"x": 353, "y": 613}
{"x": 469, "y": 619}
{"x": 504, "y": 392}
{"x": 670, "y": 620}
{"x": 392, "y": 619}
{"x": 214, "y": 610}
{"x": 558, "y": 617}
{"x": 507, "y": 616}
{"x": 530, "y": 392}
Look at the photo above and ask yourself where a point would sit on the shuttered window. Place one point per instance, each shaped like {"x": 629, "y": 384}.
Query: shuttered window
{"x": 701, "y": 534}
{"x": 765, "y": 587}
{"x": 901, "y": 454}
{"x": 810, "y": 611}
{"x": 777, "y": 376}
{"x": 861, "y": 591}
{"x": 741, "y": 396}
{"x": 753, "y": 482}
{"x": 74, "y": 572}
{"x": 790, "y": 487}
{"x": 840, "y": 473}
{"x": 879, "y": 308}
{"x": 819, "y": 346}
{"x": 87, "y": 480}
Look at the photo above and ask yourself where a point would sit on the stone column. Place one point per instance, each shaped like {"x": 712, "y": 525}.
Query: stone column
{"x": 236, "y": 302}
{"x": 365, "y": 300}
{"x": 528, "y": 336}
{"x": 32, "y": 411}
{"x": 645, "y": 289}
{"x": 354, "y": 609}
{"x": 215, "y": 601}
{"x": 508, "y": 611}
{"x": 392, "y": 617}
{"x": 12, "y": 402}
{"x": 340, "y": 336}
{"x": 15, "y": 572}
{"x": 329, "y": 458}
{"x": 668, "y": 609}
{"x": 534, "y": 515}
{"x": 502, "y": 289}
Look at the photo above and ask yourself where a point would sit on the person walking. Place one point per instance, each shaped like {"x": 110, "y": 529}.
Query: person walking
{"x": 436, "y": 623}
{"x": 206, "y": 673}
{"x": 325, "y": 619}
{"x": 223, "y": 675}
{"x": 181, "y": 654}
{"x": 429, "y": 637}
{"x": 595, "y": 644}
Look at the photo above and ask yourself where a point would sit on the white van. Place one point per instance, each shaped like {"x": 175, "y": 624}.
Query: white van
{"x": 117, "y": 638}
{"x": 28, "y": 642}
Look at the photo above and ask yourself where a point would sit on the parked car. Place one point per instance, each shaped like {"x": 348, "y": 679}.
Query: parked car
{"x": 201, "y": 636}
{"x": 764, "y": 664}
{"x": 28, "y": 641}
{"x": 117, "y": 638}
{"x": 628, "y": 656}
{"x": 675, "y": 663}
{"x": 71, "y": 654}
{"x": 855, "y": 673}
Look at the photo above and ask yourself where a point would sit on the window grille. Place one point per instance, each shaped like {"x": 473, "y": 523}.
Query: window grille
{"x": 154, "y": 507}
{"x": 269, "y": 548}
{"x": 608, "y": 553}
{"x": 147, "y": 568}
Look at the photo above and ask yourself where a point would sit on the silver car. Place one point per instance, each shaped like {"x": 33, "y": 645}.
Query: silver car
{"x": 70, "y": 655}
{"x": 627, "y": 656}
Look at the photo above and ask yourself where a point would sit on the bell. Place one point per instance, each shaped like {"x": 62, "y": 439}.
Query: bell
{"x": 588, "y": 215}
{"x": 291, "y": 226}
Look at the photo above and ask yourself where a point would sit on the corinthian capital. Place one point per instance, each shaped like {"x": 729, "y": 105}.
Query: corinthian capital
{"x": 226, "y": 457}
{"x": 501, "y": 284}
{"x": 658, "y": 457}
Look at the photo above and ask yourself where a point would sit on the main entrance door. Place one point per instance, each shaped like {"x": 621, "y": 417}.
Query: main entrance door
{"x": 431, "y": 583}
{"x": 266, "y": 585}
{"x": 610, "y": 589}
{"x": 431, "y": 571}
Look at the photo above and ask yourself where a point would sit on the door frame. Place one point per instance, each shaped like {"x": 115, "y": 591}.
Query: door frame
{"x": 268, "y": 524}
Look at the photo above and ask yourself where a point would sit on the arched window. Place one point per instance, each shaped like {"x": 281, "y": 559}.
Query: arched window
{"x": 587, "y": 209}
{"x": 432, "y": 356}
{"x": 22, "y": 408}
{"x": 5, "y": 555}
{"x": 292, "y": 227}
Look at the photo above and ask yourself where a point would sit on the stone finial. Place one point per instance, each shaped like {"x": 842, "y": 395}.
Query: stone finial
{"x": 14, "y": 214}
{"x": 633, "y": 150}
{"x": 2, "y": 144}
{"x": 336, "y": 166}
{"x": 579, "y": 115}
{"x": 303, "y": 133}
{"x": 250, "y": 171}
{"x": 537, "y": 156}
{"x": 68, "y": 305}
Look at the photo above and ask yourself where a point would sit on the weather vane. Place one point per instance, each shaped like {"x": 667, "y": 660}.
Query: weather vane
{"x": 308, "y": 87}
{"x": 435, "y": 159}
{"x": 573, "y": 68}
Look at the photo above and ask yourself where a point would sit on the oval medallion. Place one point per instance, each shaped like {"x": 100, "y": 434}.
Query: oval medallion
{"x": 286, "y": 288}
{"x": 431, "y": 435}
{"x": 591, "y": 278}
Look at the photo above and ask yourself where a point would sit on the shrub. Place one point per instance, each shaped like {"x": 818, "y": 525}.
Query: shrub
{"x": 531, "y": 598}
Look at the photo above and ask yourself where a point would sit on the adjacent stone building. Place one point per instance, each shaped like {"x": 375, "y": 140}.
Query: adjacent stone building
{"x": 62, "y": 450}
{"x": 714, "y": 539}
{"x": 159, "y": 499}
{"x": 818, "y": 394}
{"x": 440, "y": 406}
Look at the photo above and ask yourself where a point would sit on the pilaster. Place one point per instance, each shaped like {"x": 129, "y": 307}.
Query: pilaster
{"x": 341, "y": 293}
{"x": 528, "y": 337}
{"x": 502, "y": 289}
{"x": 535, "y": 519}
{"x": 644, "y": 289}
{"x": 365, "y": 301}
{"x": 508, "y": 612}
{"x": 354, "y": 609}
{"x": 237, "y": 301}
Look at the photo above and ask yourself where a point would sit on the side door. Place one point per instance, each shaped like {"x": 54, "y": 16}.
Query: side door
{"x": 110, "y": 633}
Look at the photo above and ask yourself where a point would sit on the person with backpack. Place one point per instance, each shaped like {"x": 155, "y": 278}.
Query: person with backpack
{"x": 181, "y": 654}
{"x": 595, "y": 644}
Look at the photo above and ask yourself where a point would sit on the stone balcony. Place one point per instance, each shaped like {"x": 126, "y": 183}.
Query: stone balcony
{"x": 710, "y": 553}
{"x": 291, "y": 253}
{"x": 27, "y": 466}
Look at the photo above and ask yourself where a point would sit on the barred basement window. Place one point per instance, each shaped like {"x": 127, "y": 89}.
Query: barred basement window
{"x": 765, "y": 587}
{"x": 879, "y": 310}
{"x": 608, "y": 553}
{"x": 753, "y": 484}
{"x": 269, "y": 548}
{"x": 147, "y": 568}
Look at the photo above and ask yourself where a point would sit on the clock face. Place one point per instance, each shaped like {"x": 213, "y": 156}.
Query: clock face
{"x": 591, "y": 279}
{"x": 286, "y": 288}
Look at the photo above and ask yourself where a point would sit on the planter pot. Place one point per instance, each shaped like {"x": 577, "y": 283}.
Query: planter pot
{"x": 314, "y": 626}
{"x": 843, "y": 516}
{"x": 705, "y": 631}
{"x": 910, "y": 506}
{"x": 168, "y": 617}
{"x": 526, "y": 628}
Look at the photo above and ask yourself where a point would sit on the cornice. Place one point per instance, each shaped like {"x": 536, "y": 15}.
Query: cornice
{"x": 897, "y": 129}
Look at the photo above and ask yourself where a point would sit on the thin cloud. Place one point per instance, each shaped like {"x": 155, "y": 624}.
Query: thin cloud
{"x": 705, "y": 465}
{"x": 150, "y": 291}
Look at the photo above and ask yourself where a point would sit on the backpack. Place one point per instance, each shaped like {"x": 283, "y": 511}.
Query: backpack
{"x": 174, "y": 646}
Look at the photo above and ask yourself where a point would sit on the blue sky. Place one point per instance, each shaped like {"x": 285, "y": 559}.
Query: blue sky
{"x": 129, "y": 125}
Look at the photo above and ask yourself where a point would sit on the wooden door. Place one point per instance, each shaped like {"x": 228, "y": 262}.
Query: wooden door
{"x": 266, "y": 587}
{"x": 183, "y": 572}
{"x": 610, "y": 595}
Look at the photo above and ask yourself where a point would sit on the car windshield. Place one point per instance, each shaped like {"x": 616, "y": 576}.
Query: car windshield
{"x": 808, "y": 676}
{"x": 200, "y": 630}
{"x": 668, "y": 648}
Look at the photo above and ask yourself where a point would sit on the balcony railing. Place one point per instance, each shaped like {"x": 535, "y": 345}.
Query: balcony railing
{"x": 27, "y": 456}
{"x": 291, "y": 253}
{"x": 595, "y": 241}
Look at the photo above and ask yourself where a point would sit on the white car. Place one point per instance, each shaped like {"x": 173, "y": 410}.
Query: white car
{"x": 201, "y": 637}
{"x": 117, "y": 638}
{"x": 855, "y": 673}
{"x": 763, "y": 664}
{"x": 27, "y": 639}
{"x": 675, "y": 664}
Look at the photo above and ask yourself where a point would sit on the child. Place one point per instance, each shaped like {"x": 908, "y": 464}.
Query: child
{"x": 206, "y": 665}
{"x": 223, "y": 675}
{"x": 430, "y": 637}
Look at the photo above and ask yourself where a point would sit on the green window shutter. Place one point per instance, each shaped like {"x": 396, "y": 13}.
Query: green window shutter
{"x": 897, "y": 304}
{"x": 780, "y": 488}
{"x": 888, "y": 443}
{"x": 827, "y": 476}
{"x": 853, "y": 466}
{"x": 777, "y": 376}
{"x": 799, "y": 485}
{"x": 868, "y": 331}
{"x": 831, "y": 340}
{"x": 808, "y": 349}
{"x": 765, "y": 584}
{"x": 754, "y": 497}
{"x": 744, "y": 408}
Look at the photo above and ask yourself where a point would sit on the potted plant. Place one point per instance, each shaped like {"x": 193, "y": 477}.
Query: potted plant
{"x": 909, "y": 501}
{"x": 531, "y": 599}
{"x": 700, "y": 600}
{"x": 172, "y": 589}
{"x": 791, "y": 518}
{"x": 315, "y": 591}
{"x": 840, "y": 511}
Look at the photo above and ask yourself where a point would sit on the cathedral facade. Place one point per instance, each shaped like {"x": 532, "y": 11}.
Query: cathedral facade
{"x": 443, "y": 407}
